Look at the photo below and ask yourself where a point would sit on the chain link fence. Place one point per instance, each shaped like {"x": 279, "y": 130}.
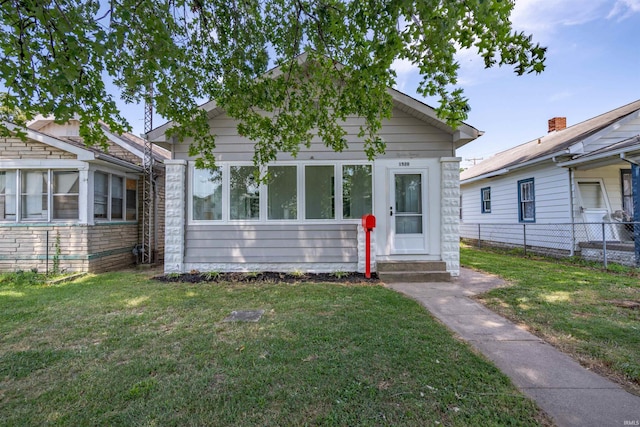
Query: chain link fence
{"x": 603, "y": 242}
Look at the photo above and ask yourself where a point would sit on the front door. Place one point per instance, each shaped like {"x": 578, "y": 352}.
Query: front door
{"x": 406, "y": 212}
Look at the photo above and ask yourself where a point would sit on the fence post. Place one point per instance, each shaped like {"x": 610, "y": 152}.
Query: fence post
{"x": 47, "y": 254}
{"x": 604, "y": 247}
{"x": 524, "y": 233}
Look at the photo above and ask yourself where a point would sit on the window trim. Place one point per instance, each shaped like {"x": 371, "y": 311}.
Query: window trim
{"x": 483, "y": 206}
{"x": 521, "y": 213}
{"x": 300, "y": 176}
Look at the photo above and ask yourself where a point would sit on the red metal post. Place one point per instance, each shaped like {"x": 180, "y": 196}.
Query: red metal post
{"x": 367, "y": 273}
{"x": 368, "y": 223}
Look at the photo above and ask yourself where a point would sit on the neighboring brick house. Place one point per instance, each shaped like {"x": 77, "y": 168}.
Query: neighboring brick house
{"x": 76, "y": 206}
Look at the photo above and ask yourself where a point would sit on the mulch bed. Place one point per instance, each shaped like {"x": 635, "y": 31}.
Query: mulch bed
{"x": 269, "y": 277}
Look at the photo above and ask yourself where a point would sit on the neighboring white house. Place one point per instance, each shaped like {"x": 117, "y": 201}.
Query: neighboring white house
{"x": 579, "y": 174}
{"x": 307, "y": 218}
{"x": 65, "y": 202}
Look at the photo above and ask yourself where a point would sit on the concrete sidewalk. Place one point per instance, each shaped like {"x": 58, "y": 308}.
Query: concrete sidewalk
{"x": 570, "y": 394}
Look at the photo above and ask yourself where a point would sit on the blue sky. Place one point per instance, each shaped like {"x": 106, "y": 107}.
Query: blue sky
{"x": 593, "y": 66}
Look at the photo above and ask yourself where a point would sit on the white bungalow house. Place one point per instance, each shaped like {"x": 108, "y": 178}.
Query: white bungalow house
{"x": 308, "y": 216}
{"x": 69, "y": 206}
{"x": 569, "y": 190}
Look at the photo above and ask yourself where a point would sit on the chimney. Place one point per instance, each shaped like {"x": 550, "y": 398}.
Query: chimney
{"x": 557, "y": 123}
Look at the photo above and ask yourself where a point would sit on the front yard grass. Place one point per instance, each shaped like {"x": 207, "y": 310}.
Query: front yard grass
{"x": 592, "y": 314}
{"x": 120, "y": 349}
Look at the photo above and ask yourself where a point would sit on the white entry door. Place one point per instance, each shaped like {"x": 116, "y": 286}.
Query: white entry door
{"x": 407, "y": 224}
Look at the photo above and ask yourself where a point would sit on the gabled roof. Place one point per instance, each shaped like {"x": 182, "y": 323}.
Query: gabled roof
{"x": 462, "y": 135}
{"x": 564, "y": 142}
{"x": 126, "y": 141}
{"x": 80, "y": 150}
{"x": 627, "y": 149}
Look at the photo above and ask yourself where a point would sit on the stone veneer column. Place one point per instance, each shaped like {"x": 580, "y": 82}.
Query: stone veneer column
{"x": 450, "y": 213}
{"x": 362, "y": 253}
{"x": 175, "y": 212}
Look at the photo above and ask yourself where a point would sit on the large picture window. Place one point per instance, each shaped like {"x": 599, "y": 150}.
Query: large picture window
{"x": 8, "y": 201}
{"x": 292, "y": 192}
{"x": 207, "y": 194}
{"x": 526, "y": 201}
{"x": 282, "y": 192}
{"x": 244, "y": 193}
{"x": 319, "y": 192}
{"x": 356, "y": 191}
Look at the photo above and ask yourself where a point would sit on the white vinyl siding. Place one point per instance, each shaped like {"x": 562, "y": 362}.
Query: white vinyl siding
{"x": 271, "y": 243}
{"x": 405, "y": 135}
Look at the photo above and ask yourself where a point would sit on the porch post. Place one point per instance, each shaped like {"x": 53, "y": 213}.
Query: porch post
{"x": 635, "y": 183}
{"x": 450, "y": 213}
{"x": 175, "y": 213}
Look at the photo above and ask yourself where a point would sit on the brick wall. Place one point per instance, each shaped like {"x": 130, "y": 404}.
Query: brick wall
{"x": 81, "y": 248}
{"x": 15, "y": 148}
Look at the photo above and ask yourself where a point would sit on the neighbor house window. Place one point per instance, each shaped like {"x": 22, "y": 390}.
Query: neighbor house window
{"x": 282, "y": 193}
{"x": 485, "y": 194}
{"x": 627, "y": 192}
{"x": 110, "y": 197}
{"x": 356, "y": 191}
{"x": 117, "y": 197}
{"x": 526, "y": 201}
{"x": 66, "y": 190}
{"x": 132, "y": 199}
{"x": 8, "y": 201}
{"x": 319, "y": 192}
{"x": 34, "y": 195}
{"x": 100, "y": 195}
{"x": 244, "y": 193}
{"x": 207, "y": 194}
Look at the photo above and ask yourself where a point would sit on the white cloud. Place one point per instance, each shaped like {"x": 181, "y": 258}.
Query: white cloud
{"x": 623, "y": 9}
{"x": 544, "y": 17}
{"x": 405, "y": 70}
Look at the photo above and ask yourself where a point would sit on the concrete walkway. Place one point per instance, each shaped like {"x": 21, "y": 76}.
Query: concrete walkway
{"x": 570, "y": 394}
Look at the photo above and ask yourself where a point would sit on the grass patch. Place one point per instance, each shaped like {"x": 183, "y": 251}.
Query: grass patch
{"x": 592, "y": 314}
{"x": 119, "y": 349}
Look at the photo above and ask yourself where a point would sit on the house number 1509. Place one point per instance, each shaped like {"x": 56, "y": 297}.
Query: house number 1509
{"x": 403, "y": 164}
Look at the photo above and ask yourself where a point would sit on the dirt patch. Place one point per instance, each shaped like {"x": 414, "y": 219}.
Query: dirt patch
{"x": 625, "y": 303}
{"x": 269, "y": 277}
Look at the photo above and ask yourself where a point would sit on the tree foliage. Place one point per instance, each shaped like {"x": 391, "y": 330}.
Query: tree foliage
{"x": 57, "y": 54}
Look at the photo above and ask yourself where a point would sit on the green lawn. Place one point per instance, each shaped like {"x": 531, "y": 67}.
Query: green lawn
{"x": 589, "y": 313}
{"x": 119, "y": 349}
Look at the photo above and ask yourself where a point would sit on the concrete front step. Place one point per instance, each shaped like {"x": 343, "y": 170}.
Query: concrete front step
{"x": 414, "y": 276}
{"x": 408, "y": 266}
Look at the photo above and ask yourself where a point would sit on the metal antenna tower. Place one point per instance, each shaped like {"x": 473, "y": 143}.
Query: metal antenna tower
{"x": 147, "y": 183}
